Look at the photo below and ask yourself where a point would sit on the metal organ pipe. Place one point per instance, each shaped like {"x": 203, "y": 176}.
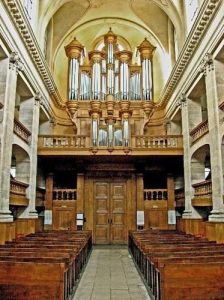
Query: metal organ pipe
{"x": 146, "y": 74}
{"x": 150, "y": 79}
{"x": 95, "y": 131}
{"x": 126, "y": 132}
{"x": 96, "y": 87}
{"x": 73, "y": 79}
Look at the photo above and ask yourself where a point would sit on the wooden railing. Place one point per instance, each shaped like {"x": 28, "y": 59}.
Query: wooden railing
{"x": 64, "y": 194}
{"x": 65, "y": 141}
{"x": 21, "y": 131}
{"x": 203, "y": 189}
{"x": 200, "y": 130}
{"x": 155, "y": 194}
{"x": 161, "y": 141}
{"x": 18, "y": 188}
{"x": 83, "y": 142}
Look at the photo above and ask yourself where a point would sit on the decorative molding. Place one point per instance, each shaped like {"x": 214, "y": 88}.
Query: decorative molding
{"x": 201, "y": 24}
{"x": 19, "y": 18}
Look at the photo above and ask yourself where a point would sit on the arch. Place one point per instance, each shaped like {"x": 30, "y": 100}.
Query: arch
{"x": 48, "y": 9}
{"x": 21, "y": 162}
{"x": 200, "y": 160}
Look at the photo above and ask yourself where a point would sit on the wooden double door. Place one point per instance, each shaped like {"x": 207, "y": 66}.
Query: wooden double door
{"x": 110, "y": 211}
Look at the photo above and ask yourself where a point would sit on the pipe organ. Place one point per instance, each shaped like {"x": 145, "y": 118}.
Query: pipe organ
{"x": 109, "y": 76}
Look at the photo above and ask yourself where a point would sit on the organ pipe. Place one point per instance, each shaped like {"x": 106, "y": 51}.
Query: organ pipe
{"x": 94, "y": 132}
{"x": 146, "y": 53}
{"x": 74, "y": 50}
{"x": 126, "y": 132}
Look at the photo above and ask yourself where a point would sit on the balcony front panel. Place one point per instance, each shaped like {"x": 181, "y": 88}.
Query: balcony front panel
{"x": 199, "y": 131}
{"x": 21, "y": 131}
{"x": 18, "y": 193}
{"x": 82, "y": 145}
{"x": 202, "y": 193}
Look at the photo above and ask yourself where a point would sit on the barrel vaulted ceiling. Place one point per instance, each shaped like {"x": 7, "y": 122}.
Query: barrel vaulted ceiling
{"x": 88, "y": 20}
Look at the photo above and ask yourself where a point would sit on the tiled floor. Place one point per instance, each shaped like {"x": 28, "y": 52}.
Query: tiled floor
{"x": 111, "y": 275}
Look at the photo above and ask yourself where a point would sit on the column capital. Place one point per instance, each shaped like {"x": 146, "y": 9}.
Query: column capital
{"x": 15, "y": 63}
{"x": 207, "y": 64}
{"x": 182, "y": 101}
{"x": 38, "y": 99}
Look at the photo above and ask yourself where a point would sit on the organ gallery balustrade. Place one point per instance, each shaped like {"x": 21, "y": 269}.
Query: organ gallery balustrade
{"x": 21, "y": 131}
{"x": 64, "y": 141}
{"x": 81, "y": 143}
{"x": 162, "y": 141}
{"x": 200, "y": 130}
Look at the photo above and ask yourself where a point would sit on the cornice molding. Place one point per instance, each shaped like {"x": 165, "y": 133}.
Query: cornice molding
{"x": 22, "y": 24}
{"x": 206, "y": 14}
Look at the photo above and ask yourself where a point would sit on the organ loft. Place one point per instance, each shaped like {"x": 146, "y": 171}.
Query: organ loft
{"x": 111, "y": 133}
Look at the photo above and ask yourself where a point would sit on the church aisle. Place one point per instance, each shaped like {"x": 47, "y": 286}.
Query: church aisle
{"x": 111, "y": 275}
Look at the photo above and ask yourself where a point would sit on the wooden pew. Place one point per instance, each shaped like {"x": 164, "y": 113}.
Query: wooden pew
{"x": 158, "y": 254}
{"x": 28, "y": 262}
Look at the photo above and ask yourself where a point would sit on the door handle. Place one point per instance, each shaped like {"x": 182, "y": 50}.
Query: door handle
{"x": 111, "y": 221}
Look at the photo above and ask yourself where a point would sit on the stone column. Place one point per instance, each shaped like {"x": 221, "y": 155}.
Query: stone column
{"x": 189, "y": 211}
{"x": 30, "y": 212}
{"x": 217, "y": 214}
{"x": 15, "y": 66}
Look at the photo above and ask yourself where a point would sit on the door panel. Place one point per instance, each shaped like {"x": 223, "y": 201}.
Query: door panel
{"x": 101, "y": 194}
{"x": 64, "y": 215}
{"x": 118, "y": 210}
{"x": 110, "y": 212}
